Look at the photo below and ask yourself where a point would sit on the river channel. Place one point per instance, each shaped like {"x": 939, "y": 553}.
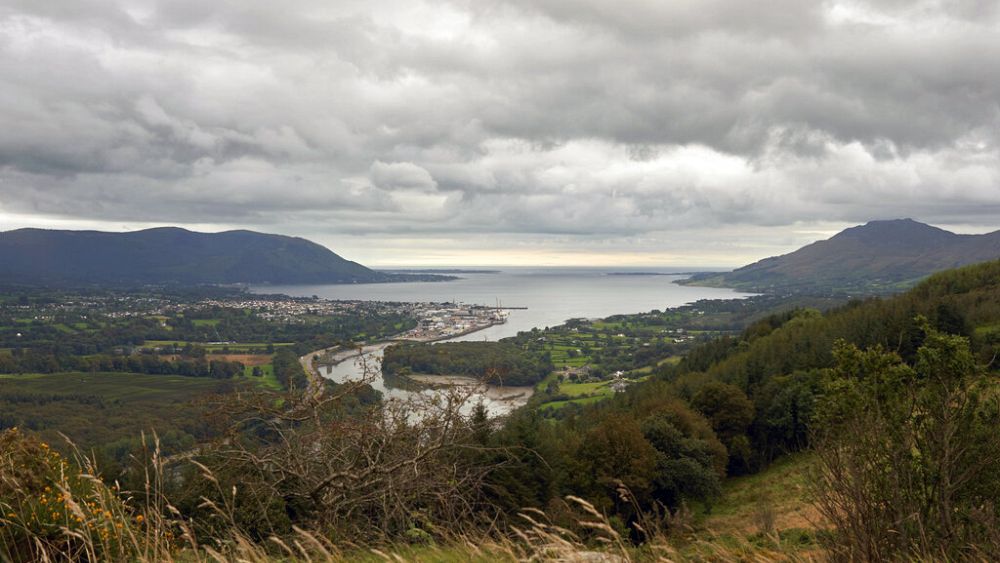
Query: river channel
{"x": 544, "y": 297}
{"x": 350, "y": 366}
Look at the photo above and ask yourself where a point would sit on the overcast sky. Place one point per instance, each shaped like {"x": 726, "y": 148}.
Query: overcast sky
{"x": 674, "y": 133}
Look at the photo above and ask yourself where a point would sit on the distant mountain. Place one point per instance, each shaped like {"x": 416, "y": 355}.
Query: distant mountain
{"x": 438, "y": 271}
{"x": 878, "y": 257}
{"x": 175, "y": 256}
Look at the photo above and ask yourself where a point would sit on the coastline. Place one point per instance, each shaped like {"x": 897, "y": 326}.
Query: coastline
{"x": 447, "y": 337}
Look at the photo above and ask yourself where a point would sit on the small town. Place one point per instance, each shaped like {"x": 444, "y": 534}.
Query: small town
{"x": 440, "y": 321}
{"x": 435, "y": 321}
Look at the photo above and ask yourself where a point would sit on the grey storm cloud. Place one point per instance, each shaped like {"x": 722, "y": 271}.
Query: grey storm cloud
{"x": 549, "y": 118}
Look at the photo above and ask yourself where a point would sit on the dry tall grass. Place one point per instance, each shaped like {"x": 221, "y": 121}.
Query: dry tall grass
{"x": 54, "y": 509}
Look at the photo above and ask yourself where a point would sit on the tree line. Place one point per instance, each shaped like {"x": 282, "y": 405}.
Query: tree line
{"x": 495, "y": 362}
{"x": 31, "y": 361}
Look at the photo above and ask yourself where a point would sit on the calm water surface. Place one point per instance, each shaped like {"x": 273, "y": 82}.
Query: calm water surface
{"x": 551, "y": 295}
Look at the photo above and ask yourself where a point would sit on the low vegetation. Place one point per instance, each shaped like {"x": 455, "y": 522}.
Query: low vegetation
{"x": 55, "y": 508}
{"x": 106, "y": 413}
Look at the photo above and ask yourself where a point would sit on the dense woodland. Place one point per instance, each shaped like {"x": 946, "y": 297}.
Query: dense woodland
{"x": 193, "y": 365}
{"x": 734, "y": 405}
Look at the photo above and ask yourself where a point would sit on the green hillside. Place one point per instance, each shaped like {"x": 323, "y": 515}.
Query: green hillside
{"x": 878, "y": 257}
{"x": 735, "y": 405}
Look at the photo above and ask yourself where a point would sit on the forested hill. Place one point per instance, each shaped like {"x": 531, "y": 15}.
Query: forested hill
{"x": 878, "y": 257}
{"x": 174, "y": 255}
{"x": 733, "y": 405}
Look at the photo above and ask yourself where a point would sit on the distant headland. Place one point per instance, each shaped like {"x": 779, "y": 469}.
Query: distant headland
{"x": 170, "y": 255}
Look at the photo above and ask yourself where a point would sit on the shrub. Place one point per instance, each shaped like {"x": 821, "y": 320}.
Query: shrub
{"x": 53, "y": 510}
{"x": 909, "y": 454}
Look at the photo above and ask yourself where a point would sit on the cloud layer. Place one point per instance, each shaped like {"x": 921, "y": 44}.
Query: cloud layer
{"x": 448, "y": 131}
